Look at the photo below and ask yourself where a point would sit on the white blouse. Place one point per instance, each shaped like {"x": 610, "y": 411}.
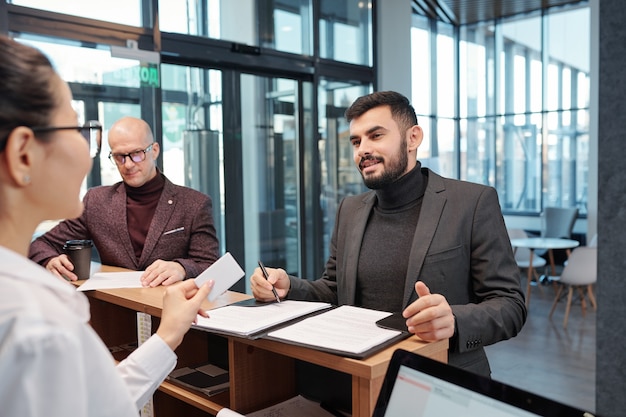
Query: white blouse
{"x": 52, "y": 363}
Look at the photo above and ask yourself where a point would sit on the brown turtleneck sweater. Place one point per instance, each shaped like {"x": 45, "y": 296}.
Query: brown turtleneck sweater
{"x": 384, "y": 255}
{"x": 141, "y": 203}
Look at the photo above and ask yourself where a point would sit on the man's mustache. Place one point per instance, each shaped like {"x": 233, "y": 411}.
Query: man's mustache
{"x": 369, "y": 158}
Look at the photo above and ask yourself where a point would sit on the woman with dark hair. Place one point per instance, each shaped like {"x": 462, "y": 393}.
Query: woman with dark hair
{"x": 51, "y": 361}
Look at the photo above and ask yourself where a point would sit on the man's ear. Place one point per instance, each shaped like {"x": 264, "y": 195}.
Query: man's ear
{"x": 415, "y": 137}
{"x": 19, "y": 155}
{"x": 156, "y": 149}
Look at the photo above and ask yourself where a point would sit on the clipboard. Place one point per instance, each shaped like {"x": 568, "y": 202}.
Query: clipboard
{"x": 331, "y": 322}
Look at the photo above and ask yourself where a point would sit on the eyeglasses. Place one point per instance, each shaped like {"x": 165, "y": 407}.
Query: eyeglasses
{"x": 136, "y": 156}
{"x": 91, "y": 131}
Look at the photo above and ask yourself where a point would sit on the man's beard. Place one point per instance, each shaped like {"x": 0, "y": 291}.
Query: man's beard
{"x": 392, "y": 172}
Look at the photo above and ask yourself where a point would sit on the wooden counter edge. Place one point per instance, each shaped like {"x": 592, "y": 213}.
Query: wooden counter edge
{"x": 371, "y": 367}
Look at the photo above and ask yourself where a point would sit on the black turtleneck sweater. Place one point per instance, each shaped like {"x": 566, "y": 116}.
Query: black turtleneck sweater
{"x": 384, "y": 255}
{"x": 141, "y": 203}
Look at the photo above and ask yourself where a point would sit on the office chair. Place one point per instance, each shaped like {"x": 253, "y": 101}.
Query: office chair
{"x": 556, "y": 222}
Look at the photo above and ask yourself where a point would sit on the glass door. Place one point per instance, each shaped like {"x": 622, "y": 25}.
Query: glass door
{"x": 339, "y": 177}
{"x": 242, "y": 150}
{"x": 192, "y": 125}
{"x": 269, "y": 153}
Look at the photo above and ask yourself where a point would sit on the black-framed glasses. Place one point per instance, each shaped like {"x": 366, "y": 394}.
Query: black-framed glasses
{"x": 135, "y": 156}
{"x": 91, "y": 131}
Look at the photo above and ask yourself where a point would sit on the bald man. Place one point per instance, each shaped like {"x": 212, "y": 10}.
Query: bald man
{"x": 144, "y": 222}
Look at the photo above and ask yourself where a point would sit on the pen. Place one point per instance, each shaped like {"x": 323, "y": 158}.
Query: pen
{"x": 266, "y": 277}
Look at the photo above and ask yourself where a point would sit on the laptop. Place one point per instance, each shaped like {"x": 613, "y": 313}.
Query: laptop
{"x": 421, "y": 387}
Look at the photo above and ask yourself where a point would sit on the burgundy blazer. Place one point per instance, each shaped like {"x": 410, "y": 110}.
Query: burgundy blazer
{"x": 182, "y": 230}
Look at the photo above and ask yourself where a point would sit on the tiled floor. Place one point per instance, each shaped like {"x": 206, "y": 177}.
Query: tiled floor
{"x": 547, "y": 359}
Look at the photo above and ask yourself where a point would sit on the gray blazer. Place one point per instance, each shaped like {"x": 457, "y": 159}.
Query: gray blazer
{"x": 460, "y": 249}
{"x": 183, "y": 212}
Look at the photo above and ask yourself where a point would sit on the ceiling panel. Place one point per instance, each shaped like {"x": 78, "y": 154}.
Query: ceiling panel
{"x": 462, "y": 12}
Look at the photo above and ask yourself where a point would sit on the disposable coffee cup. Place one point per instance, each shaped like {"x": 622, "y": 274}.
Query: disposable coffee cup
{"x": 79, "y": 252}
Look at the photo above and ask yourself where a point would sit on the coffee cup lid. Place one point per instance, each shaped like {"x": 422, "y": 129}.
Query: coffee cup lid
{"x": 78, "y": 243}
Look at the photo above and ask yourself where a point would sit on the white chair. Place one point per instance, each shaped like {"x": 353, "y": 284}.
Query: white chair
{"x": 522, "y": 255}
{"x": 580, "y": 273}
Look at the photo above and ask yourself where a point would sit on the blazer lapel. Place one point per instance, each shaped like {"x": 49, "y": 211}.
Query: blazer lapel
{"x": 162, "y": 214}
{"x": 118, "y": 205}
{"x": 356, "y": 230}
{"x": 430, "y": 215}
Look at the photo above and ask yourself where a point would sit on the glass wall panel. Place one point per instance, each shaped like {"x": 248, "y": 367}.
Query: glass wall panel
{"x": 514, "y": 131}
{"x": 424, "y": 152}
{"x": 235, "y": 21}
{"x": 339, "y": 175}
{"x": 446, "y": 71}
{"x": 476, "y": 56}
{"x": 345, "y": 29}
{"x": 553, "y": 87}
{"x": 521, "y": 40}
{"x": 283, "y": 25}
{"x": 438, "y": 155}
{"x": 568, "y": 139}
{"x": 477, "y": 150}
{"x": 91, "y": 64}
{"x": 421, "y": 66}
{"x": 535, "y": 81}
{"x": 518, "y": 152}
{"x": 563, "y": 164}
{"x": 292, "y": 30}
{"x": 582, "y": 167}
{"x": 445, "y": 149}
{"x": 582, "y": 89}
{"x": 108, "y": 11}
{"x": 568, "y": 48}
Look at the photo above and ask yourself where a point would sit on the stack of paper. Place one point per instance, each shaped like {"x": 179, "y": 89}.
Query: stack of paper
{"x": 246, "y": 321}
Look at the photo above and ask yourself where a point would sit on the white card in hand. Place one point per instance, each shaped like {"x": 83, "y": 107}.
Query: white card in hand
{"x": 225, "y": 272}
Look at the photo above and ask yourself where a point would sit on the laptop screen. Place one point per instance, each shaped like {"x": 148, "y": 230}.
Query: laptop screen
{"x": 421, "y": 387}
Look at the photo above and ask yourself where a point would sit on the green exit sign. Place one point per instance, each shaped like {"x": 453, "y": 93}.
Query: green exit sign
{"x": 149, "y": 75}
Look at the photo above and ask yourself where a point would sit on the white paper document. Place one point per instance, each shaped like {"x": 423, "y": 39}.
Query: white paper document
{"x": 225, "y": 272}
{"x": 108, "y": 280}
{"x": 344, "y": 329}
{"x": 248, "y": 320}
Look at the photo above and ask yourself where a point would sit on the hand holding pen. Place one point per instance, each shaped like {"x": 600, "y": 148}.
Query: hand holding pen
{"x": 266, "y": 276}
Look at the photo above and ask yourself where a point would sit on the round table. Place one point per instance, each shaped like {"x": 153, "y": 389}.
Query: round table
{"x": 548, "y": 243}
